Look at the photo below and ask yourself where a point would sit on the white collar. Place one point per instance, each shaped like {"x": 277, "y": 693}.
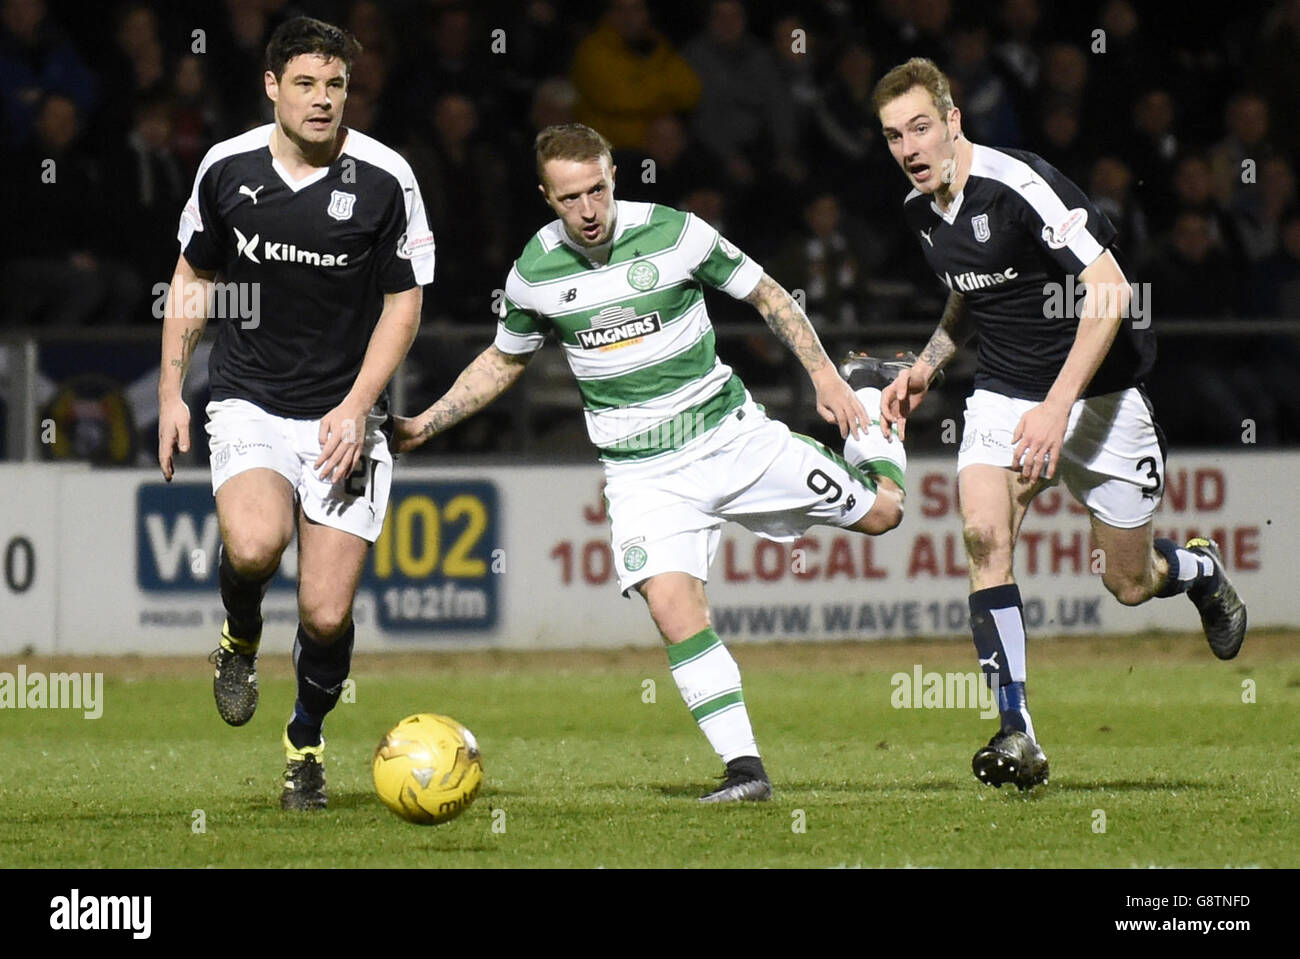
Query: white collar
{"x": 950, "y": 215}
{"x": 321, "y": 173}
{"x": 607, "y": 247}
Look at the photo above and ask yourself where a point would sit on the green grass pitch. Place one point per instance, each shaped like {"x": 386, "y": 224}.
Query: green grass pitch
{"x": 1150, "y": 731}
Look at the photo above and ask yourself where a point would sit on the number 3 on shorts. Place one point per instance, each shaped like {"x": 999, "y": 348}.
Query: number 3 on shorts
{"x": 1148, "y": 463}
{"x": 361, "y": 481}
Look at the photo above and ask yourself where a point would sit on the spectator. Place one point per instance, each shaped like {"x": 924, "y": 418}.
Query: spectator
{"x": 1151, "y": 149}
{"x": 1191, "y": 278}
{"x": 554, "y": 101}
{"x": 147, "y": 188}
{"x": 462, "y": 181}
{"x": 1194, "y": 190}
{"x": 1065, "y": 76}
{"x": 1191, "y": 275}
{"x": 1110, "y": 186}
{"x": 540, "y": 38}
{"x": 1277, "y": 278}
{"x": 796, "y": 64}
{"x": 55, "y": 229}
{"x": 1259, "y": 223}
{"x": 196, "y": 114}
{"x": 368, "y": 22}
{"x": 626, "y": 74}
{"x": 1247, "y": 120}
{"x": 36, "y": 60}
{"x": 454, "y": 59}
{"x": 237, "y": 44}
{"x": 745, "y": 112}
{"x": 678, "y": 168}
{"x": 1017, "y": 55}
{"x": 901, "y": 29}
{"x": 1061, "y": 143}
{"x": 847, "y": 141}
{"x": 1274, "y": 66}
{"x": 138, "y": 52}
{"x": 988, "y": 114}
{"x": 367, "y": 87}
{"x": 1130, "y": 62}
{"x": 826, "y": 264}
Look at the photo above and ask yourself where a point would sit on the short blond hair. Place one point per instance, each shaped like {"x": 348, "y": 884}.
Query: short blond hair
{"x": 570, "y": 141}
{"x": 916, "y": 72}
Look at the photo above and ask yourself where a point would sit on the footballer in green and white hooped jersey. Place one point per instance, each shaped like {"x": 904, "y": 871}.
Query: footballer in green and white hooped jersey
{"x": 684, "y": 446}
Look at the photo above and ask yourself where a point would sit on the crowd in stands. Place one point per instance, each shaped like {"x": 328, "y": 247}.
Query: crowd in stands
{"x": 755, "y": 115}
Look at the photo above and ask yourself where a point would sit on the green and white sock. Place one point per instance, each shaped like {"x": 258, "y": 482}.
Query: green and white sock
{"x": 709, "y": 681}
{"x": 871, "y": 452}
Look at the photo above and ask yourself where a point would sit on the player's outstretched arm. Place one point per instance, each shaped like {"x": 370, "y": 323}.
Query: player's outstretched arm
{"x": 180, "y": 336}
{"x": 836, "y": 401}
{"x": 1041, "y": 431}
{"x": 907, "y": 391}
{"x": 490, "y": 374}
{"x": 343, "y": 429}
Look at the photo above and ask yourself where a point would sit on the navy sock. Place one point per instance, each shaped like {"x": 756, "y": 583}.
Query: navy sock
{"x": 1187, "y": 570}
{"x": 321, "y": 671}
{"x": 998, "y": 626}
{"x": 1012, "y": 706}
{"x": 243, "y": 600}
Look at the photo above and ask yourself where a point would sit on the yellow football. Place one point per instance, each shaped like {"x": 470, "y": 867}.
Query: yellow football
{"x": 428, "y": 769}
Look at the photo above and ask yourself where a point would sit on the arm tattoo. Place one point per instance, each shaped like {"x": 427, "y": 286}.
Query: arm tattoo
{"x": 953, "y": 330}
{"x": 789, "y": 322}
{"x": 189, "y": 342}
{"x": 490, "y": 375}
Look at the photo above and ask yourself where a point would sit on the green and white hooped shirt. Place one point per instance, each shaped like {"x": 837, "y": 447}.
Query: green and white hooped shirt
{"x": 635, "y": 331}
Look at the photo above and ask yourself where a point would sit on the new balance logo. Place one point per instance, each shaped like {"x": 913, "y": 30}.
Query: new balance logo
{"x": 245, "y": 191}
{"x": 926, "y": 235}
{"x": 284, "y": 252}
{"x": 568, "y": 296}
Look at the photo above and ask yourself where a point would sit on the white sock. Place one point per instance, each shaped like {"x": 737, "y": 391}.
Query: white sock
{"x": 871, "y": 446}
{"x": 709, "y": 681}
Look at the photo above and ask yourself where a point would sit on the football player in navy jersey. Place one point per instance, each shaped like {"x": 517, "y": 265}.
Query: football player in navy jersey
{"x": 323, "y": 229}
{"x": 1057, "y": 395}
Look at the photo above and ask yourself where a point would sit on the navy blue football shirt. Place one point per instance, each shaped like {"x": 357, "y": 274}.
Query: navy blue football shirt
{"x": 1009, "y": 244}
{"x": 322, "y": 251}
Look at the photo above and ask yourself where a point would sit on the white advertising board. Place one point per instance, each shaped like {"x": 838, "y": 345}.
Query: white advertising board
{"x": 116, "y": 561}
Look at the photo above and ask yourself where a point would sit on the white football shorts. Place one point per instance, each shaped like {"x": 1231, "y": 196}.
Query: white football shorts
{"x": 244, "y": 436}
{"x": 751, "y": 470}
{"x": 1112, "y": 459}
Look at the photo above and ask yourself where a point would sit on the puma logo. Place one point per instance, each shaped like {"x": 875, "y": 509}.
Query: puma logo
{"x": 245, "y": 191}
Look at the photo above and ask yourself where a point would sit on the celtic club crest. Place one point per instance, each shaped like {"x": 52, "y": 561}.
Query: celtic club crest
{"x": 643, "y": 275}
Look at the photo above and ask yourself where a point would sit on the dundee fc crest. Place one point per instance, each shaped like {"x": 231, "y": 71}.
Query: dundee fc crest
{"x": 981, "y": 226}
{"x": 341, "y": 205}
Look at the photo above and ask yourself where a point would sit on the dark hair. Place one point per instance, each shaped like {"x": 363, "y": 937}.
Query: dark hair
{"x": 302, "y": 35}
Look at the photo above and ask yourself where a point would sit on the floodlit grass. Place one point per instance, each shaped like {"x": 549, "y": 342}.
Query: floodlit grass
{"x": 1152, "y": 732}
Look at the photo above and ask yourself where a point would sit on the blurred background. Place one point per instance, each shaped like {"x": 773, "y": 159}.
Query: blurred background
{"x": 756, "y": 116}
